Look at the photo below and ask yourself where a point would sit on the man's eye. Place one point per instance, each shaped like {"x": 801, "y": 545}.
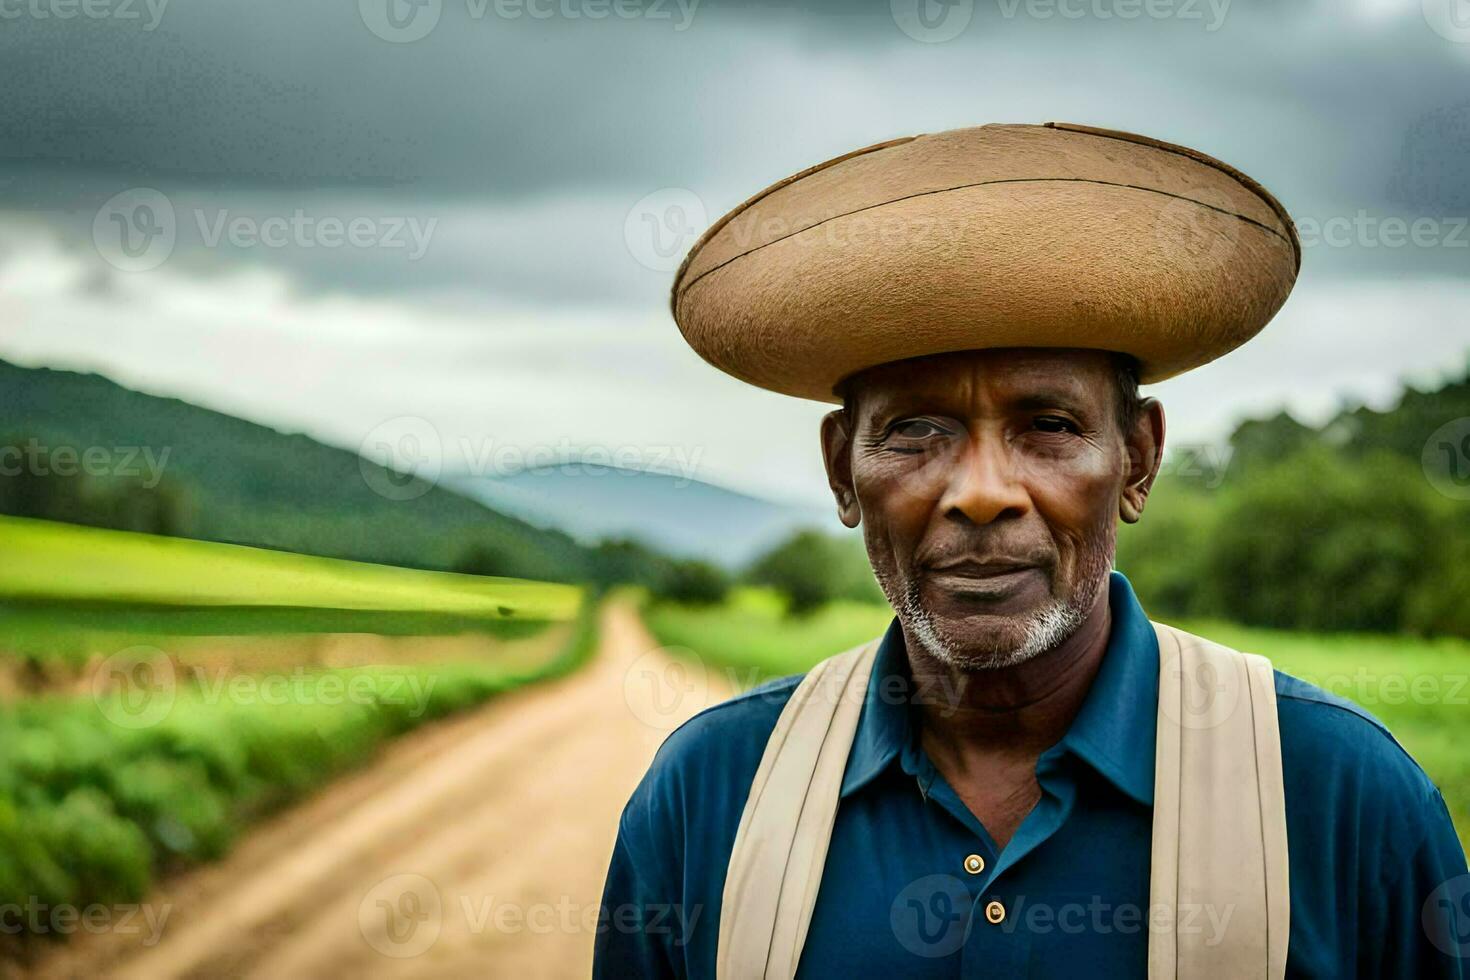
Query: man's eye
{"x": 1054, "y": 423}
{"x": 916, "y": 429}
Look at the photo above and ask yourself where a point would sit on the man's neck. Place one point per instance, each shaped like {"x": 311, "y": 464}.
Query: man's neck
{"x": 1014, "y": 712}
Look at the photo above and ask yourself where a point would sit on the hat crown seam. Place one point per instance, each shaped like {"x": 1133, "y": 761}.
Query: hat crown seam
{"x": 682, "y": 287}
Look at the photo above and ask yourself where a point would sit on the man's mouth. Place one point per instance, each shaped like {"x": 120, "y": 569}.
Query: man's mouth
{"x": 983, "y": 577}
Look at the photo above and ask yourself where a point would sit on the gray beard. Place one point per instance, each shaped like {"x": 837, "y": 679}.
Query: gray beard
{"x": 1043, "y": 630}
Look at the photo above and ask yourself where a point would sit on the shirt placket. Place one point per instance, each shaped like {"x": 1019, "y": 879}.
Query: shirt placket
{"x": 997, "y": 942}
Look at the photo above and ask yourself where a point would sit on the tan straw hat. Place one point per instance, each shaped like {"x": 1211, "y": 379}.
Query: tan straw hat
{"x": 994, "y": 236}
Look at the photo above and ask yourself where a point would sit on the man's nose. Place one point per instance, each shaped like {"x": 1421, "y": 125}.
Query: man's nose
{"x": 985, "y": 486}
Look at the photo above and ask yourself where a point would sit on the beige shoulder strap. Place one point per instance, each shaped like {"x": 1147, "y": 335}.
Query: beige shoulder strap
{"x": 781, "y": 844}
{"x": 1219, "y": 834}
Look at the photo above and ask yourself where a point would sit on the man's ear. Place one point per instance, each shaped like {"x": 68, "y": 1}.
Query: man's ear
{"x": 837, "y": 455}
{"x": 1145, "y": 451}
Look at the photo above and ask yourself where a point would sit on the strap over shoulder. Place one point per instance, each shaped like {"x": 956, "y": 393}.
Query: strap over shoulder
{"x": 781, "y": 845}
{"x": 1219, "y": 832}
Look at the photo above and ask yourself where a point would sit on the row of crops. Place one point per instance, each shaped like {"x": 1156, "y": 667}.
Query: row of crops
{"x": 156, "y": 695}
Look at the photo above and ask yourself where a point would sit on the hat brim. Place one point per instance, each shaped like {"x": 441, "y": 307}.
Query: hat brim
{"x": 999, "y": 236}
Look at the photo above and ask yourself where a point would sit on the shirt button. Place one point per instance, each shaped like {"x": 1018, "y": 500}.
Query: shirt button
{"x": 974, "y": 864}
{"x": 995, "y": 913}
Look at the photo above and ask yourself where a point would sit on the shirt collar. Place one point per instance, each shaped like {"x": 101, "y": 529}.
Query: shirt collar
{"x": 1113, "y": 732}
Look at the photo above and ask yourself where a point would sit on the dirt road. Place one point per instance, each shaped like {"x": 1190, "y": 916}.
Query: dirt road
{"x": 475, "y": 847}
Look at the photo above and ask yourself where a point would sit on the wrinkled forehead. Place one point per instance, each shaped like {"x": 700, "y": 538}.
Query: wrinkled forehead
{"x": 969, "y": 382}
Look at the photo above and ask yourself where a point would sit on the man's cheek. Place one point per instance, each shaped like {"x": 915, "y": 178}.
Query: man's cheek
{"x": 909, "y": 485}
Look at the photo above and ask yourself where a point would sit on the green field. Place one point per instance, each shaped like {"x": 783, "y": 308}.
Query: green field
{"x": 157, "y": 695}
{"x": 1419, "y": 687}
{"x": 45, "y": 561}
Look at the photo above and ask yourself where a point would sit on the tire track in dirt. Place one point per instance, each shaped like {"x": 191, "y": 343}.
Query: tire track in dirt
{"x": 476, "y": 846}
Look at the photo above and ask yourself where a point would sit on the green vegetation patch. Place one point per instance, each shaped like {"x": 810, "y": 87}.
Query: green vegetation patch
{"x": 100, "y": 794}
{"x": 45, "y": 560}
{"x": 754, "y": 638}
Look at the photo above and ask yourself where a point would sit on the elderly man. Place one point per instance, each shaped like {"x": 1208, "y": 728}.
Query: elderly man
{"x": 1024, "y": 776}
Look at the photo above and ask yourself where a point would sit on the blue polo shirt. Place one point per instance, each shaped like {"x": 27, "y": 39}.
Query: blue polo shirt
{"x": 915, "y": 887}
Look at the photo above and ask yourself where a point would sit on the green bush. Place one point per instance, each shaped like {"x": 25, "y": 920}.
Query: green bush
{"x": 1320, "y": 542}
{"x": 696, "y": 583}
{"x": 802, "y": 569}
{"x": 811, "y": 568}
{"x": 1316, "y": 540}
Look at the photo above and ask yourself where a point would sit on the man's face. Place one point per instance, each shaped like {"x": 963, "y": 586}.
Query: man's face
{"x": 989, "y": 484}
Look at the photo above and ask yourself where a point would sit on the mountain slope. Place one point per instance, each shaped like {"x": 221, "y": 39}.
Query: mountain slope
{"x": 226, "y": 479}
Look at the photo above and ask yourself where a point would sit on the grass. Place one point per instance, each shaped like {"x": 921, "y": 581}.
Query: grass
{"x": 1419, "y": 688}
{"x": 751, "y": 637}
{"x": 48, "y": 562}
{"x": 74, "y": 594}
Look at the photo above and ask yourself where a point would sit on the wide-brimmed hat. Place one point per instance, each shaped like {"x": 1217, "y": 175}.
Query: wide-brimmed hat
{"x": 995, "y": 236}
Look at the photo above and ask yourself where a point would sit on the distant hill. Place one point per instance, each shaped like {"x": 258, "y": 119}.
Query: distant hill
{"x": 679, "y": 516}
{"x": 226, "y": 479}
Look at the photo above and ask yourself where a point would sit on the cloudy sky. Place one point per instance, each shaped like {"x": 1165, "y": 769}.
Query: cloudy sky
{"x": 333, "y": 217}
